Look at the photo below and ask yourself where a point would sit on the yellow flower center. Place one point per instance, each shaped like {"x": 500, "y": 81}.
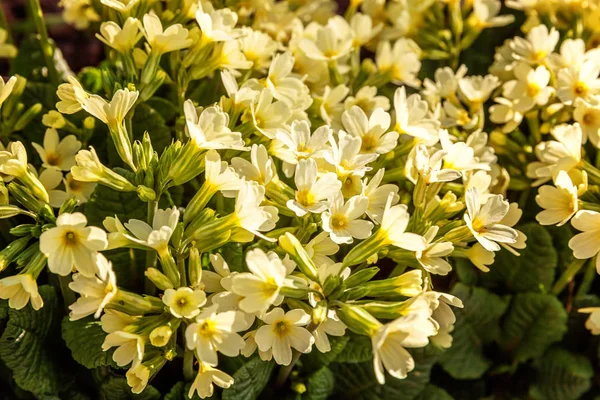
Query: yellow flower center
{"x": 540, "y": 55}
{"x": 281, "y": 328}
{"x": 74, "y": 186}
{"x": 305, "y": 197}
{"x": 339, "y": 221}
{"x": 589, "y": 118}
{"x": 533, "y": 89}
{"x": 206, "y": 328}
{"x": 581, "y": 89}
{"x": 70, "y": 239}
{"x": 52, "y": 159}
{"x": 369, "y": 143}
{"x": 477, "y": 225}
{"x": 463, "y": 117}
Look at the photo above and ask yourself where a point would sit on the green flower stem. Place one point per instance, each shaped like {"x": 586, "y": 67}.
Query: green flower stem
{"x": 588, "y": 278}
{"x": 47, "y": 49}
{"x": 67, "y": 294}
{"x": 286, "y": 370}
{"x": 567, "y": 276}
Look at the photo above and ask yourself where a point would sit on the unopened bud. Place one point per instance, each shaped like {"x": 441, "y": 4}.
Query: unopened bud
{"x": 360, "y": 277}
{"x": 10, "y": 252}
{"x": 195, "y": 268}
{"x": 27, "y": 116}
{"x": 8, "y": 211}
{"x": 22, "y": 230}
{"x": 292, "y": 246}
{"x": 24, "y": 197}
{"x": 158, "y": 278}
{"x": 89, "y": 123}
{"x": 358, "y": 320}
{"x": 68, "y": 206}
{"x": 408, "y": 284}
{"x": 319, "y": 313}
{"x": 145, "y": 193}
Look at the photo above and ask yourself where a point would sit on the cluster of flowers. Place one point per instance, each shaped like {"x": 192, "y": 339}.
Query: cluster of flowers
{"x": 549, "y": 81}
{"x": 301, "y": 158}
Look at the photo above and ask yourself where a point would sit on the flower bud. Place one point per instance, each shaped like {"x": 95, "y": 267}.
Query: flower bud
{"x": 145, "y": 193}
{"x": 292, "y": 246}
{"x": 319, "y": 313}
{"x": 195, "y": 268}
{"x": 360, "y": 277}
{"x": 169, "y": 267}
{"x": 357, "y": 319}
{"x": 408, "y": 284}
{"x": 9, "y": 253}
{"x": 90, "y": 169}
{"x": 68, "y": 206}
{"x": 8, "y": 211}
{"x": 386, "y": 310}
{"x": 89, "y": 123}
{"x": 24, "y": 197}
{"x": 27, "y": 117}
{"x": 158, "y": 278}
{"x": 22, "y": 230}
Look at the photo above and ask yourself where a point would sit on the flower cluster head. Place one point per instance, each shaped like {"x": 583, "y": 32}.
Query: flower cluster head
{"x": 245, "y": 180}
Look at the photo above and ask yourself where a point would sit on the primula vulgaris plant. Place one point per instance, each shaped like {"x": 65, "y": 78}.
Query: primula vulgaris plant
{"x": 263, "y": 180}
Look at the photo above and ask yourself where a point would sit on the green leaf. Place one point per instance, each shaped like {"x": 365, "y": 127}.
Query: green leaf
{"x": 147, "y": 119}
{"x": 476, "y": 325}
{"x": 106, "y": 202}
{"x": 29, "y": 61}
{"x": 358, "y": 349}
{"x": 316, "y": 359}
{"x": 249, "y": 380}
{"x": 319, "y": 385}
{"x": 533, "y": 322}
{"x": 27, "y": 347}
{"x": 233, "y": 253}
{"x": 356, "y": 381}
{"x": 84, "y": 338}
{"x": 432, "y": 392}
{"x": 177, "y": 392}
{"x": 532, "y": 271}
{"x": 116, "y": 388}
{"x": 167, "y": 109}
{"x": 561, "y": 375}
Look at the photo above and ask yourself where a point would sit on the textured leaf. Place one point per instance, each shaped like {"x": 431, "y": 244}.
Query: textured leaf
{"x": 532, "y": 271}
{"x": 233, "y": 253}
{"x": 106, "y": 202}
{"x": 358, "y": 349}
{"x": 84, "y": 338}
{"x": 561, "y": 375}
{"x": 26, "y": 347}
{"x": 476, "y": 324}
{"x": 116, "y": 388}
{"x": 319, "y": 385}
{"x": 356, "y": 381}
{"x": 250, "y": 380}
{"x": 177, "y": 392}
{"x": 533, "y": 322}
{"x": 432, "y": 392}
